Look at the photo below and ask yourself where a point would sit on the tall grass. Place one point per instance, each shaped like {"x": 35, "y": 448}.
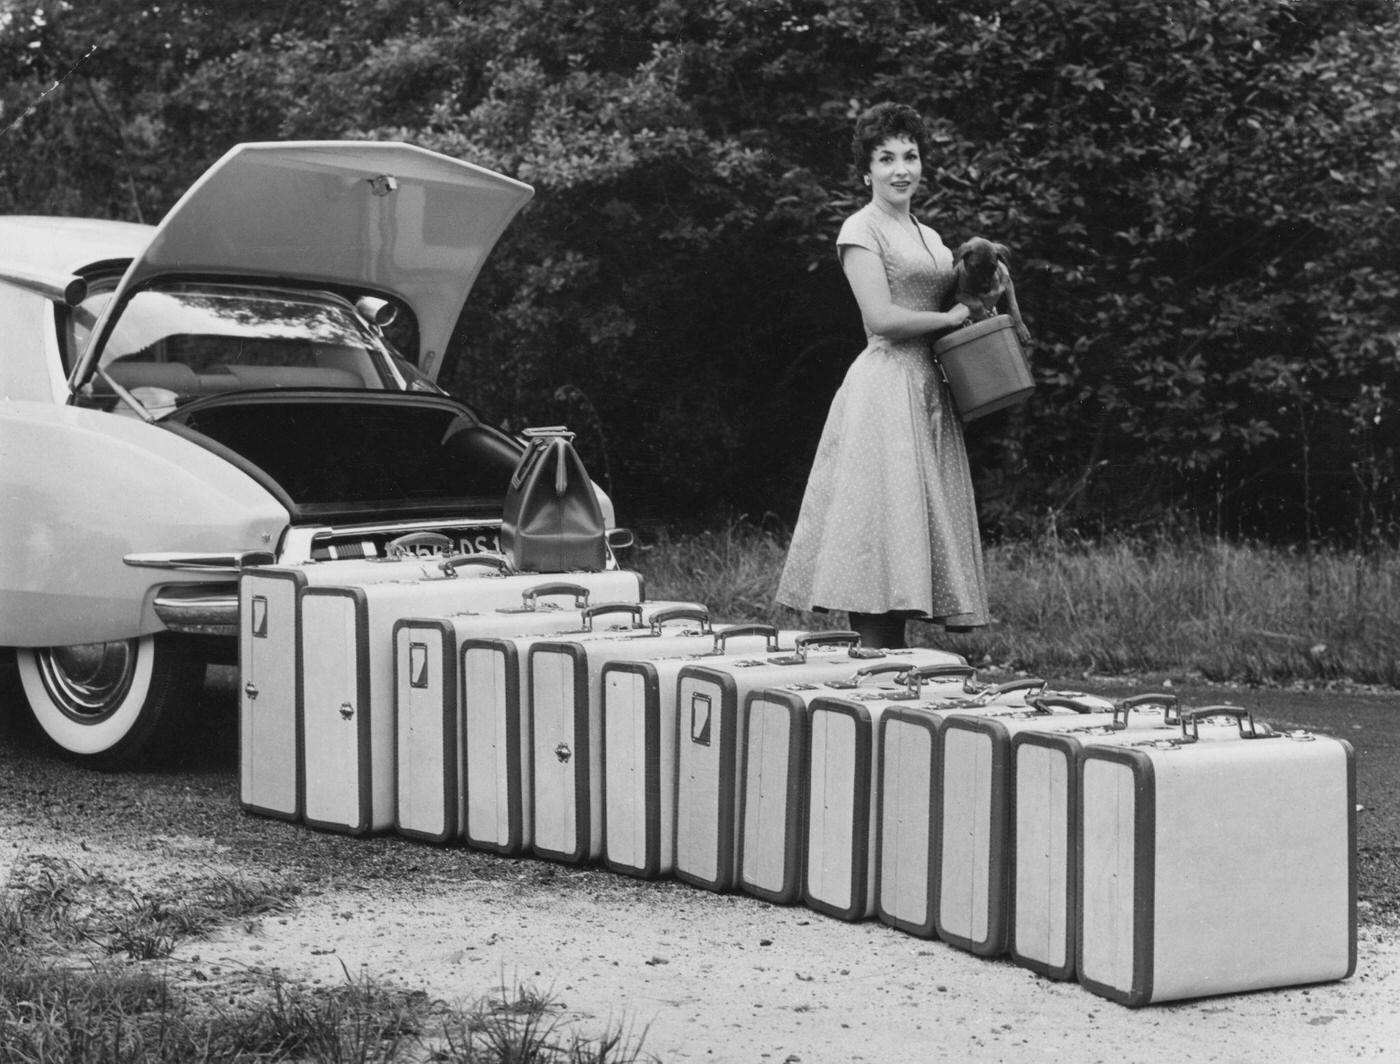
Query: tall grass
{"x": 1191, "y": 606}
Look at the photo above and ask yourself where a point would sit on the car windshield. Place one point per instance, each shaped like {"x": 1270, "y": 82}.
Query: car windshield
{"x": 194, "y": 340}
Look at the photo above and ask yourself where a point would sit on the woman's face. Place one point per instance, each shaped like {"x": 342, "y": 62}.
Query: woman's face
{"x": 895, "y": 169}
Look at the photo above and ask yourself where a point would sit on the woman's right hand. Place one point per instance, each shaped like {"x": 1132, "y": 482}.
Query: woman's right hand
{"x": 957, "y": 314}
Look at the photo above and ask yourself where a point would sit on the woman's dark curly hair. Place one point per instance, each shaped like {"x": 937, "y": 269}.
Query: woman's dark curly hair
{"x": 881, "y": 122}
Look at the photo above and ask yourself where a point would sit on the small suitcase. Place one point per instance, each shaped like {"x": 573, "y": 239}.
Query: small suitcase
{"x": 1044, "y": 779}
{"x": 907, "y": 800}
{"x": 641, "y": 724}
{"x": 774, "y": 745}
{"x": 565, "y": 711}
{"x": 1215, "y": 868}
{"x": 429, "y": 756}
{"x": 711, "y": 698}
{"x": 347, "y": 681}
{"x": 270, "y": 712}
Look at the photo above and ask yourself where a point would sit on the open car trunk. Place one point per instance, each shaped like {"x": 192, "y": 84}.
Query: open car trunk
{"x": 333, "y": 456}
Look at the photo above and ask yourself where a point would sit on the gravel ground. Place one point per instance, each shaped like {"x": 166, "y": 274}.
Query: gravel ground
{"x": 710, "y": 977}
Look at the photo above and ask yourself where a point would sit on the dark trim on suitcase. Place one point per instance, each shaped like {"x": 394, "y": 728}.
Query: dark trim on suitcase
{"x": 298, "y": 581}
{"x": 581, "y": 758}
{"x": 650, "y": 868}
{"x": 861, "y": 798}
{"x": 447, "y": 737}
{"x": 363, "y": 713}
{"x": 919, "y": 718}
{"x": 725, "y": 714}
{"x": 796, "y": 782}
{"x": 516, "y": 743}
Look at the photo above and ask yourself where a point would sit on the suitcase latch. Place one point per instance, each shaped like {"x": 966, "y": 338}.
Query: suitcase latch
{"x": 346, "y": 711}
{"x": 250, "y": 689}
{"x": 563, "y": 753}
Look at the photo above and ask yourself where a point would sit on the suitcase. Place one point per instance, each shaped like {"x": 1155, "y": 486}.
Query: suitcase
{"x": 907, "y": 800}
{"x": 641, "y": 724}
{"x": 1044, "y": 779}
{"x": 428, "y": 754}
{"x": 711, "y": 699}
{"x": 347, "y": 681}
{"x": 1216, "y": 867}
{"x": 774, "y": 740}
{"x": 270, "y": 757}
{"x": 566, "y": 731}
{"x": 491, "y": 785}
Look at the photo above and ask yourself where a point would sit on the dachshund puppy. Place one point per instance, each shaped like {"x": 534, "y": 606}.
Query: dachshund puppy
{"x": 982, "y": 279}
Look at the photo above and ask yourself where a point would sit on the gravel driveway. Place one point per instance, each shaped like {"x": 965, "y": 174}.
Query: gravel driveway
{"x": 708, "y": 977}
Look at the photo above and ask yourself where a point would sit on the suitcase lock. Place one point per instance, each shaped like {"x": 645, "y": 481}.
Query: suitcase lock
{"x": 563, "y": 753}
{"x": 346, "y": 711}
{"x": 250, "y": 689}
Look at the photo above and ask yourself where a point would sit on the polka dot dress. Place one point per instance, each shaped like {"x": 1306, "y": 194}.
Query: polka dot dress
{"x": 888, "y": 521}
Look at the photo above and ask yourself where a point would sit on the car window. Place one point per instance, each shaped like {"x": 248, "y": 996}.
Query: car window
{"x": 201, "y": 340}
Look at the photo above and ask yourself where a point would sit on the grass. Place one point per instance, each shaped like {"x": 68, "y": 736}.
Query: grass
{"x": 78, "y": 986}
{"x": 1225, "y": 612}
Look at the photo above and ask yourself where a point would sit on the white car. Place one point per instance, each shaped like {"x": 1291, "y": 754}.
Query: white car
{"x": 181, "y": 401}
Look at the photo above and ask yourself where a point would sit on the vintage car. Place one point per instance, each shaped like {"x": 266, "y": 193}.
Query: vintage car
{"x": 250, "y": 381}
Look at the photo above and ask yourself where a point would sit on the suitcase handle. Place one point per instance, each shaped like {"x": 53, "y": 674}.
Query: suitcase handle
{"x": 1190, "y": 719}
{"x": 1028, "y": 684}
{"x": 1050, "y": 703}
{"x": 402, "y": 545}
{"x": 493, "y": 561}
{"x": 530, "y": 595}
{"x": 681, "y": 613}
{"x": 1171, "y": 707}
{"x": 768, "y": 632}
{"x": 590, "y": 612}
{"x": 915, "y": 677}
{"x": 813, "y": 639}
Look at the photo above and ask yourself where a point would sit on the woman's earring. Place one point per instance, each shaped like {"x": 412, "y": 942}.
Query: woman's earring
{"x": 867, "y": 180}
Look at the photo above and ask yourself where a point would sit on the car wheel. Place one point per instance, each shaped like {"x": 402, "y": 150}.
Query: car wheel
{"x": 110, "y": 704}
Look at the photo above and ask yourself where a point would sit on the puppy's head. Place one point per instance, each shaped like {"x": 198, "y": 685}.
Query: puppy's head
{"x": 979, "y": 257}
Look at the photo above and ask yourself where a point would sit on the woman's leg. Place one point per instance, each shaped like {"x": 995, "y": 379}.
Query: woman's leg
{"x": 882, "y": 631}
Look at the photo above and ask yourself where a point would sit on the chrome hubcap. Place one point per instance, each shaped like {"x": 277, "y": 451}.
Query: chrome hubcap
{"x": 88, "y": 682}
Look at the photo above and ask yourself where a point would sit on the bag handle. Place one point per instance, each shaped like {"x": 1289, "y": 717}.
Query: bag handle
{"x": 531, "y": 595}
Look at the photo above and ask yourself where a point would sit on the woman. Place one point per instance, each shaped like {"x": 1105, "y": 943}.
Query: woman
{"x": 888, "y": 528}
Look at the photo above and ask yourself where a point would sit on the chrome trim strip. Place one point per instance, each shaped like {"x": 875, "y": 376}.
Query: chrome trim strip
{"x": 232, "y": 563}
{"x": 69, "y": 289}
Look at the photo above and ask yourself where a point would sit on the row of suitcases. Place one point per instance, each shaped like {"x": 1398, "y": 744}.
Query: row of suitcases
{"x": 1149, "y": 852}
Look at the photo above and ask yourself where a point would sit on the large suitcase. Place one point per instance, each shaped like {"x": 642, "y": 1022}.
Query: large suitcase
{"x": 712, "y": 698}
{"x": 458, "y": 693}
{"x": 641, "y": 729}
{"x": 270, "y": 757}
{"x": 430, "y": 735}
{"x": 1214, "y": 868}
{"x": 1044, "y": 854}
{"x": 774, "y": 742}
{"x": 908, "y": 794}
{"x": 347, "y": 681}
{"x": 565, "y": 708}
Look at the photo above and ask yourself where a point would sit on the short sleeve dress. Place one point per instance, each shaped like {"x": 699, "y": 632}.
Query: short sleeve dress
{"x": 888, "y": 522}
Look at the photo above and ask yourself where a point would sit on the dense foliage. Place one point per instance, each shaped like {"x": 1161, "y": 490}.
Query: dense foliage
{"x": 1201, "y": 196}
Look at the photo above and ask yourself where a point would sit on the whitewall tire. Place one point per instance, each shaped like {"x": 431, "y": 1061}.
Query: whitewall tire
{"x": 111, "y": 704}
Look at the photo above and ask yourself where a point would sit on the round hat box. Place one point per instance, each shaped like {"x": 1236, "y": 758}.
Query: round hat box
{"x": 985, "y": 366}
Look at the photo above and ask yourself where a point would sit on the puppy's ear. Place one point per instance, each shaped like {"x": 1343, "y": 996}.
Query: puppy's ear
{"x": 1003, "y": 254}
{"x": 962, "y": 251}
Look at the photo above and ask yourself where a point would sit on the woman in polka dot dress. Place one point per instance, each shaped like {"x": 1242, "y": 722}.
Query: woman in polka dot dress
{"x": 888, "y": 526}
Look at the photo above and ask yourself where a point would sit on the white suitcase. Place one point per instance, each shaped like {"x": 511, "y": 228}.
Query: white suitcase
{"x": 347, "y": 682}
{"x": 711, "y": 698}
{"x": 907, "y": 797}
{"x": 641, "y": 724}
{"x": 1044, "y": 778}
{"x": 1216, "y": 868}
{"x": 774, "y": 741}
{"x": 429, "y": 756}
{"x": 270, "y": 712}
{"x": 566, "y": 731}
{"x": 493, "y": 773}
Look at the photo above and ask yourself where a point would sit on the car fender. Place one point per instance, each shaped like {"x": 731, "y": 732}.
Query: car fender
{"x": 80, "y": 490}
